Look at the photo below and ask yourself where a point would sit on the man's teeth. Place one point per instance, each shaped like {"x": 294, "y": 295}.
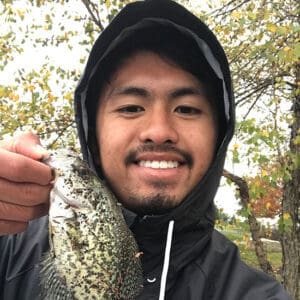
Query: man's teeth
{"x": 159, "y": 164}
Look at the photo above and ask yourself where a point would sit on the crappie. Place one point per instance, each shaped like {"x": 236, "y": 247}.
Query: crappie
{"x": 93, "y": 254}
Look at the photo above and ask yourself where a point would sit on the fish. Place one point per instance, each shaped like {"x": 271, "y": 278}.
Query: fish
{"x": 93, "y": 253}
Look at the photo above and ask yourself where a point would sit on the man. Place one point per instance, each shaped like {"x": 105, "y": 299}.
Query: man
{"x": 155, "y": 114}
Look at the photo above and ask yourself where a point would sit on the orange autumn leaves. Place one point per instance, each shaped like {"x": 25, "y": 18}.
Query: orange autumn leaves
{"x": 265, "y": 192}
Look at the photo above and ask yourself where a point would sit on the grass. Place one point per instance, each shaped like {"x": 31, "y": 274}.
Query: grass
{"x": 240, "y": 235}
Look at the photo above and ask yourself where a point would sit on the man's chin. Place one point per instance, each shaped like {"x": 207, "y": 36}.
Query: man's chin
{"x": 151, "y": 205}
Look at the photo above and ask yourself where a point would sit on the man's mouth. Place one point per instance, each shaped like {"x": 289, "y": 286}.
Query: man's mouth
{"x": 156, "y": 164}
{"x": 159, "y": 157}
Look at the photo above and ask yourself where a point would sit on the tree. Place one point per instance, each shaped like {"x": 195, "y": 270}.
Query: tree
{"x": 291, "y": 201}
{"x": 261, "y": 39}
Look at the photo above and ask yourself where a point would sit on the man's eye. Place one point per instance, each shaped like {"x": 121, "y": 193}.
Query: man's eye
{"x": 131, "y": 109}
{"x": 187, "y": 110}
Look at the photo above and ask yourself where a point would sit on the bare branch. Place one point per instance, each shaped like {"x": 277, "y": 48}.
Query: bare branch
{"x": 260, "y": 87}
{"x": 90, "y": 6}
{"x": 243, "y": 189}
{"x": 228, "y": 8}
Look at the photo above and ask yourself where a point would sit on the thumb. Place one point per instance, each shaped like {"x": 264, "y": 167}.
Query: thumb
{"x": 27, "y": 144}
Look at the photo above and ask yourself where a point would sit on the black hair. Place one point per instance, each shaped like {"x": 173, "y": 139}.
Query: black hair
{"x": 171, "y": 45}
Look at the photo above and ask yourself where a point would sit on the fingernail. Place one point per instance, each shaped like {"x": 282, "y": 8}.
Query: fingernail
{"x": 42, "y": 152}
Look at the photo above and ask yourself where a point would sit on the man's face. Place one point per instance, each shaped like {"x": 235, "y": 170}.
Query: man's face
{"x": 156, "y": 132}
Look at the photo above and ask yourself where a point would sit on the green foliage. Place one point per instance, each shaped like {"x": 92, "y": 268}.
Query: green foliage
{"x": 261, "y": 40}
{"x": 38, "y": 96}
{"x": 285, "y": 223}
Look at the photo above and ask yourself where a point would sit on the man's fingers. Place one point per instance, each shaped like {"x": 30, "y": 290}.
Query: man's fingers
{"x": 26, "y": 194}
{"x": 19, "y": 168}
{"x": 25, "y": 182}
{"x": 11, "y": 227}
{"x": 19, "y": 213}
{"x": 27, "y": 144}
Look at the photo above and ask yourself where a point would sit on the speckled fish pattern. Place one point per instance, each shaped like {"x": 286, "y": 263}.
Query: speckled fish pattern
{"x": 93, "y": 254}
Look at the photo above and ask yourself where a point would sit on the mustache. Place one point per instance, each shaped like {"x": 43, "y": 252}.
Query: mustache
{"x": 163, "y": 148}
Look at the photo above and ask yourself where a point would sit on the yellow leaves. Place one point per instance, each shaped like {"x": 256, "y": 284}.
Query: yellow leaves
{"x": 235, "y": 146}
{"x": 285, "y": 223}
{"x": 271, "y": 27}
{"x": 264, "y": 173}
{"x": 47, "y": 74}
{"x": 20, "y": 13}
{"x": 21, "y": 116}
{"x": 252, "y": 16}
{"x": 265, "y": 133}
{"x": 246, "y": 238}
{"x": 40, "y": 127}
{"x": 13, "y": 96}
{"x": 236, "y": 14}
{"x": 3, "y": 108}
{"x": 68, "y": 96}
{"x": 11, "y": 10}
{"x": 40, "y": 2}
{"x": 251, "y": 6}
{"x": 28, "y": 87}
{"x": 8, "y": 93}
{"x": 235, "y": 153}
{"x": 266, "y": 14}
{"x": 31, "y": 88}
{"x": 47, "y": 27}
{"x": 50, "y": 97}
{"x": 289, "y": 53}
{"x": 3, "y": 92}
{"x": 226, "y": 31}
{"x": 268, "y": 205}
{"x": 107, "y": 3}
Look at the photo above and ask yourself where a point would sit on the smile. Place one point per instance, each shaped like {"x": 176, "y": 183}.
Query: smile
{"x": 155, "y": 164}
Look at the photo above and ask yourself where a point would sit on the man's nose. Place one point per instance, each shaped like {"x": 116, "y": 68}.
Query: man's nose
{"x": 159, "y": 128}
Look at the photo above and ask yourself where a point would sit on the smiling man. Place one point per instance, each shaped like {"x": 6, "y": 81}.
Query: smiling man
{"x": 170, "y": 133}
{"x": 155, "y": 114}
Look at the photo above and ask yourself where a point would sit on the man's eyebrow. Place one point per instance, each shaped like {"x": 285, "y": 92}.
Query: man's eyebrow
{"x": 172, "y": 94}
{"x": 185, "y": 91}
{"x": 131, "y": 90}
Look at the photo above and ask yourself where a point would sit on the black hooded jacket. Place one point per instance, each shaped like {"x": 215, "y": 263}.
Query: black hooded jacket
{"x": 203, "y": 264}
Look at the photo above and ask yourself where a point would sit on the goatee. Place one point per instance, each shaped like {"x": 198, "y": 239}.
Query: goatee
{"x": 151, "y": 205}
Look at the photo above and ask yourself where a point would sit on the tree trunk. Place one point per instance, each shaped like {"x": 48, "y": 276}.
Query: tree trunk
{"x": 290, "y": 206}
{"x": 253, "y": 224}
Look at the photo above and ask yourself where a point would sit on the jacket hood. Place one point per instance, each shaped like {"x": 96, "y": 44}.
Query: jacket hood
{"x": 198, "y": 208}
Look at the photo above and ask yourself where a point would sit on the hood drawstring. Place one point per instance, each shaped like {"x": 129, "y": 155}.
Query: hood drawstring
{"x": 163, "y": 281}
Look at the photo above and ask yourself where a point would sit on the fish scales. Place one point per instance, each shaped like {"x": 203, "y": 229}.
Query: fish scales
{"x": 93, "y": 254}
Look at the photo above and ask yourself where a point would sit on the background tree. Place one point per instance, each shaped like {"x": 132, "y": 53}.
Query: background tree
{"x": 261, "y": 39}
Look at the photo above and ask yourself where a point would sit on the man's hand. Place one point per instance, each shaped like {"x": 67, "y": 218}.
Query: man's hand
{"x": 25, "y": 182}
